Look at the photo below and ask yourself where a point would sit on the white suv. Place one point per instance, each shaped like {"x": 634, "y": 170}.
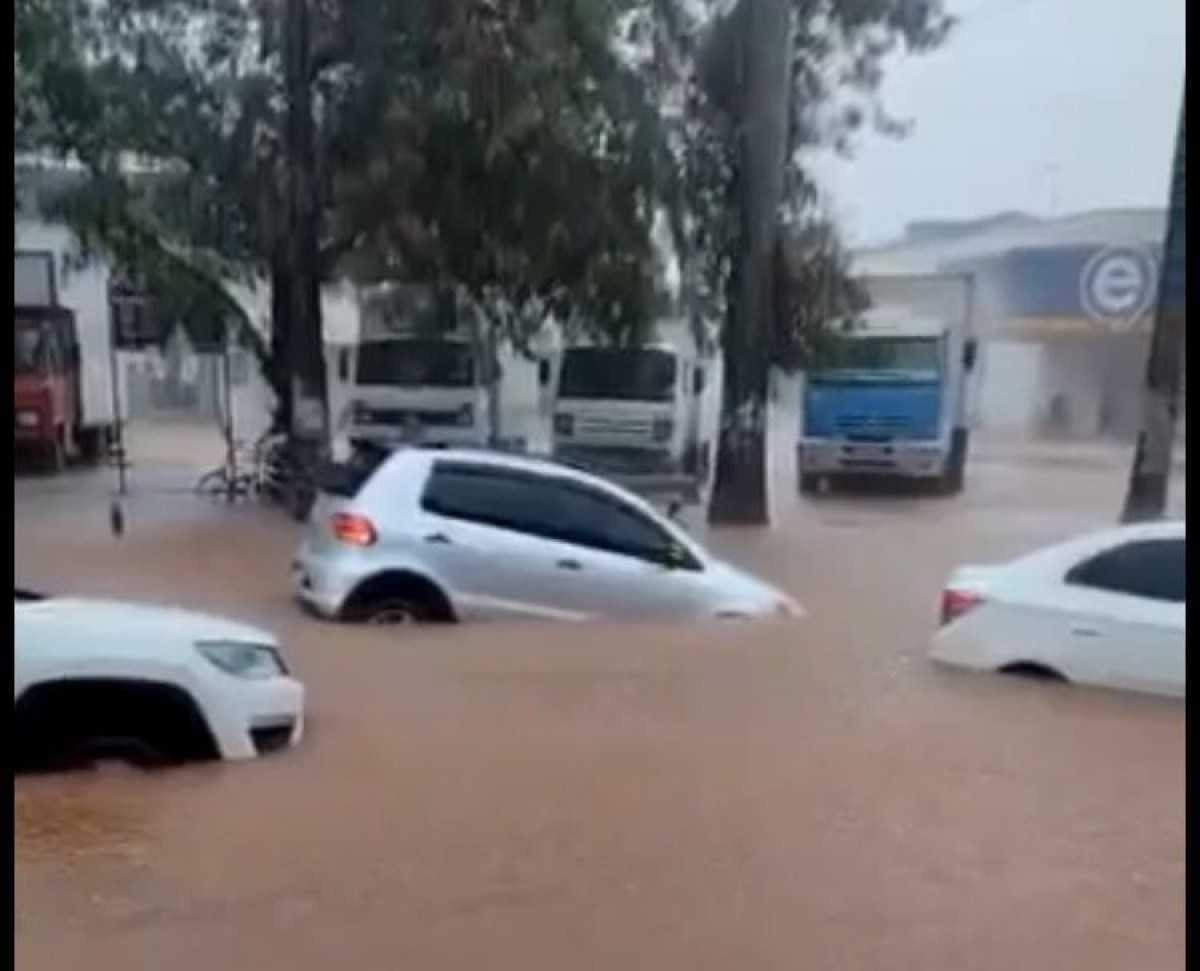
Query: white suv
{"x": 456, "y": 534}
{"x": 144, "y": 683}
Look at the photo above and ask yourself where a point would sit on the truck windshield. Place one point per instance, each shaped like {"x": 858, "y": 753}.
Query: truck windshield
{"x": 416, "y": 363}
{"x": 907, "y": 354}
{"x": 632, "y": 374}
{"x": 403, "y": 308}
{"x": 31, "y": 352}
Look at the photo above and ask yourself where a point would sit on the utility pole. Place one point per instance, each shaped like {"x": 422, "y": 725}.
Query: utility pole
{"x": 762, "y": 56}
{"x": 1151, "y": 472}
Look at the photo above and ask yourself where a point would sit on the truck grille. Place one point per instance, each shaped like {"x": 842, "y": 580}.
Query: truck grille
{"x": 872, "y": 427}
{"x": 402, "y": 416}
{"x": 627, "y": 428}
{"x": 615, "y": 459}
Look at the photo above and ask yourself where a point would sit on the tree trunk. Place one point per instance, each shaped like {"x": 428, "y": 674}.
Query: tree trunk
{"x": 1151, "y": 472}
{"x": 279, "y": 365}
{"x": 492, "y": 357}
{"x": 764, "y": 79}
{"x": 309, "y": 416}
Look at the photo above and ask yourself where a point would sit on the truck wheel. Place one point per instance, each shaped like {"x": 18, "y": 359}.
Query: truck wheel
{"x": 56, "y": 456}
{"x": 809, "y": 483}
{"x": 90, "y": 442}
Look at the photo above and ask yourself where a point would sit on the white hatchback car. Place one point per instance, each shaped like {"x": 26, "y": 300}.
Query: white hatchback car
{"x": 1107, "y": 609}
{"x": 457, "y": 534}
{"x": 150, "y": 684}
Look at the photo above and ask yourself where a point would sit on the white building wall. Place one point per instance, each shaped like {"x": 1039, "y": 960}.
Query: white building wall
{"x": 1008, "y": 386}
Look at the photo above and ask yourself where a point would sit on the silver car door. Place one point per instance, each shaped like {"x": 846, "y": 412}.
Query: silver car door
{"x": 474, "y": 532}
{"x": 611, "y": 560}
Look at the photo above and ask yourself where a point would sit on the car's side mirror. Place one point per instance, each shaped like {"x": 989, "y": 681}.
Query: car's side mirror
{"x": 675, "y": 557}
{"x": 543, "y": 372}
{"x": 698, "y": 381}
{"x": 970, "y": 353}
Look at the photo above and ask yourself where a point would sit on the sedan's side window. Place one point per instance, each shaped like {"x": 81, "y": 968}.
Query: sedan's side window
{"x": 1153, "y": 568}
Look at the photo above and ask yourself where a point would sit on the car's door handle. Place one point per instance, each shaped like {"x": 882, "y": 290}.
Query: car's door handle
{"x": 1082, "y": 630}
{"x": 439, "y": 538}
{"x": 569, "y": 565}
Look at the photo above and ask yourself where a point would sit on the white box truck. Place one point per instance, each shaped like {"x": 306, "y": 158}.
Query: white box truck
{"x": 63, "y": 359}
{"x": 418, "y": 373}
{"x": 644, "y": 415}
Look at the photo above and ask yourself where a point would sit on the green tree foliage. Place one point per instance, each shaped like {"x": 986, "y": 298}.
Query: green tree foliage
{"x": 815, "y": 295}
{"x": 838, "y": 48}
{"x": 501, "y": 147}
{"x": 527, "y": 171}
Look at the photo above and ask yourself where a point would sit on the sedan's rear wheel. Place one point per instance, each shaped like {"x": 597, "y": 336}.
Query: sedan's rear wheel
{"x": 1032, "y": 670}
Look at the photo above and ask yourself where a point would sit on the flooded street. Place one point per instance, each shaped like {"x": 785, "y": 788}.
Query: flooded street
{"x": 812, "y": 795}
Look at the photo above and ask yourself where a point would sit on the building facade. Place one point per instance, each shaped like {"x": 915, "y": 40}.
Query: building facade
{"x": 1064, "y": 308}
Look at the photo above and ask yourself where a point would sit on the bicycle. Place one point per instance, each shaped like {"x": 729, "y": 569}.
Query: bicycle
{"x": 247, "y": 471}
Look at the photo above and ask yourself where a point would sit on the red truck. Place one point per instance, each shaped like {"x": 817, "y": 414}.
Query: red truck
{"x": 62, "y": 365}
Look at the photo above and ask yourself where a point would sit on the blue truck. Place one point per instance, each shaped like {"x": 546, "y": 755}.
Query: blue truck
{"x": 894, "y": 398}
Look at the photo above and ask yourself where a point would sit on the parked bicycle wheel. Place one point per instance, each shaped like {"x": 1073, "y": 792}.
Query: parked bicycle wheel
{"x": 212, "y": 484}
{"x": 221, "y": 484}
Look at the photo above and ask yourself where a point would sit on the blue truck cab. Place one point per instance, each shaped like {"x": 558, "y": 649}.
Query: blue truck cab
{"x": 891, "y": 401}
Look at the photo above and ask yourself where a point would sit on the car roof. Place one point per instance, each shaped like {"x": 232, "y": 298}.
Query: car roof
{"x": 424, "y": 458}
{"x": 536, "y": 465}
{"x": 1080, "y": 547}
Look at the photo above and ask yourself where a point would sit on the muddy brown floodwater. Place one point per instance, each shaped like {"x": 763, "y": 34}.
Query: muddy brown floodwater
{"x": 801, "y": 796}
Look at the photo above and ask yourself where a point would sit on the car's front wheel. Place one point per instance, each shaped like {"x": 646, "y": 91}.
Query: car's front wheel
{"x": 74, "y": 723}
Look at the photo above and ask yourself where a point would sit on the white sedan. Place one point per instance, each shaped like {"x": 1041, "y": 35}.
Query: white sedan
{"x": 149, "y": 684}
{"x": 1107, "y": 609}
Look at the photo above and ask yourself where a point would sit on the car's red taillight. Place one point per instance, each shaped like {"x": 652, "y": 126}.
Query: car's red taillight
{"x": 956, "y": 603}
{"x": 352, "y": 529}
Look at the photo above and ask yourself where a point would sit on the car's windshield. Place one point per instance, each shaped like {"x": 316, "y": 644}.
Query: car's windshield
{"x": 634, "y": 374}
{"x": 418, "y": 362}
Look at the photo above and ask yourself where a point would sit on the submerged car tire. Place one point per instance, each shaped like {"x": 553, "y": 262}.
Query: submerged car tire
{"x": 74, "y": 723}
{"x": 397, "y": 599}
{"x": 1033, "y": 671}
{"x": 395, "y": 612}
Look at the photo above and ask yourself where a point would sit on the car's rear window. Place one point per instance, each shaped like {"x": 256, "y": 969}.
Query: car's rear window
{"x": 345, "y": 479}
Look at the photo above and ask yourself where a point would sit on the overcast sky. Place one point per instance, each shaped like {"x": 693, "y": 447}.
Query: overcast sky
{"x": 1038, "y": 105}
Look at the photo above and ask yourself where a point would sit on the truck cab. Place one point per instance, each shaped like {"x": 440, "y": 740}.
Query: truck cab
{"x": 419, "y": 372}
{"x": 890, "y": 401}
{"x": 45, "y": 382}
{"x": 629, "y": 410}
